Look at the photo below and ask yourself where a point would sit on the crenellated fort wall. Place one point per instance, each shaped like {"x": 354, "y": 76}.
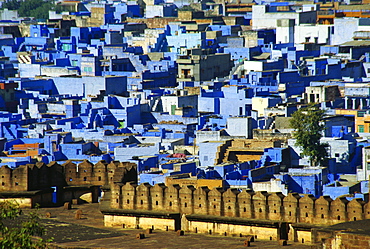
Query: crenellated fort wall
{"x": 233, "y": 203}
{"x": 32, "y": 183}
{"x": 40, "y": 175}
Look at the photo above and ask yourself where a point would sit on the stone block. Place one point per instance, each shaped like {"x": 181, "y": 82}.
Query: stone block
{"x": 249, "y": 238}
{"x": 149, "y": 231}
{"x": 78, "y": 214}
{"x": 283, "y": 242}
{"x": 247, "y": 243}
{"x": 48, "y": 215}
{"x": 75, "y": 201}
{"x": 180, "y": 232}
{"x": 67, "y": 206}
{"x": 140, "y": 236}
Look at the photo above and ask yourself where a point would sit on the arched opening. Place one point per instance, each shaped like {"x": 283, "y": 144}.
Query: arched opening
{"x": 245, "y": 210}
{"x": 128, "y": 201}
{"x": 170, "y": 204}
{"x": 338, "y": 217}
{"x": 354, "y": 218}
{"x": 322, "y": 216}
{"x": 185, "y": 204}
{"x": 141, "y": 202}
{"x": 156, "y": 203}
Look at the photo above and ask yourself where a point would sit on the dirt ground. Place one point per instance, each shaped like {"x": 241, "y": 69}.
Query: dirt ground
{"x": 89, "y": 232}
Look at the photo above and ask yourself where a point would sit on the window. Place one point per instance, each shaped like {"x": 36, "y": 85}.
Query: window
{"x": 361, "y": 128}
{"x": 360, "y": 114}
{"x": 85, "y": 179}
{"x": 336, "y": 154}
{"x": 67, "y": 47}
{"x": 87, "y": 69}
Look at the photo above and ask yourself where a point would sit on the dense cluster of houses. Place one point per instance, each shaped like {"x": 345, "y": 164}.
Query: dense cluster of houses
{"x": 193, "y": 93}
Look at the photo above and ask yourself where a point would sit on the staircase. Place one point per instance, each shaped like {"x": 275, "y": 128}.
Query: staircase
{"x": 237, "y": 68}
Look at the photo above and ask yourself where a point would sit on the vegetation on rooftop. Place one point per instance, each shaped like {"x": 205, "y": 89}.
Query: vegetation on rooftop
{"x": 30, "y": 8}
{"x": 309, "y": 127}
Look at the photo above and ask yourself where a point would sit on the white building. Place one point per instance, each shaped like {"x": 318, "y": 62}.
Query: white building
{"x": 262, "y": 18}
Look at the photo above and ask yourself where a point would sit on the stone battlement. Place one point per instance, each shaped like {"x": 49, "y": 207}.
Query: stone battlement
{"x": 292, "y": 208}
{"x": 41, "y": 176}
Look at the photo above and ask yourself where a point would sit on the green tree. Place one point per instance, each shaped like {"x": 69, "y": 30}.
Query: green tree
{"x": 11, "y": 5}
{"x": 23, "y": 236}
{"x": 35, "y": 8}
{"x": 308, "y": 125}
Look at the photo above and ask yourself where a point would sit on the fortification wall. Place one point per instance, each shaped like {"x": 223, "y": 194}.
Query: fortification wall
{"x": 188, "y": 200}
{"x": 41, "y": 176}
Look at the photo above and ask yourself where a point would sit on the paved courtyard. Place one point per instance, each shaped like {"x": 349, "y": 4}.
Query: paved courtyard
{"x": 89, "y": 232}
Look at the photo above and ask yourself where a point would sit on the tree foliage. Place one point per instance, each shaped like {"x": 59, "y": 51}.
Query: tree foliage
{"x": 20, "y": 236}
{"x": 30, "y": 8}
{"x": 308, "y": 125}
{"x": 11, "y": 5}
{"x": 35, "y": 8}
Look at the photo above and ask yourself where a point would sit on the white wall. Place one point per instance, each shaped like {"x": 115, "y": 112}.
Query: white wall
{"x": 307, "y": 30}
